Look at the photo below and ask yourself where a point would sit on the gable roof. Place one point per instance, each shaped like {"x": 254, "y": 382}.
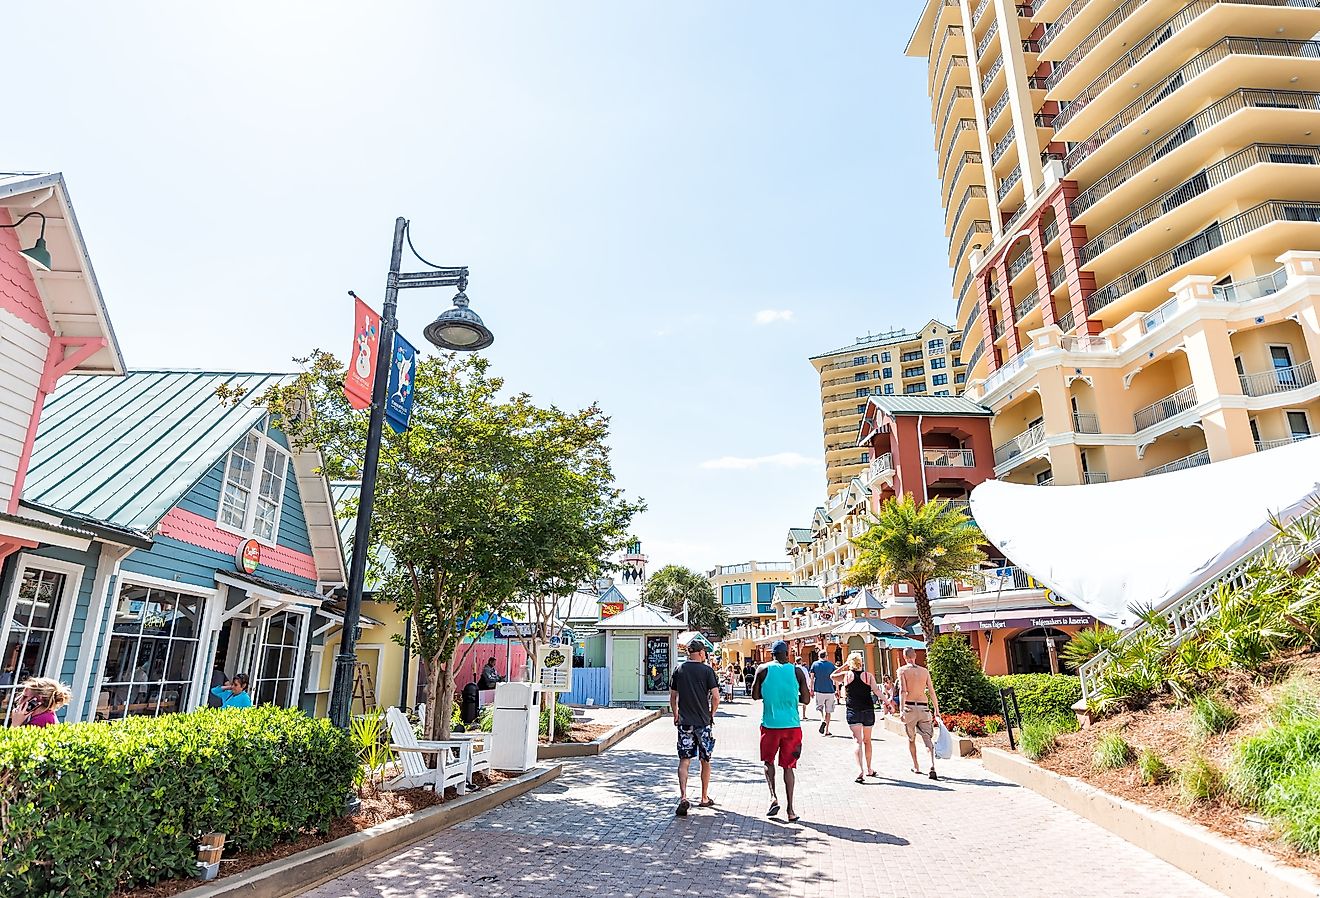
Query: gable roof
{"x": 799, "y": 534}
{"x": 642, "y": 616}
{"x": 888, "y": 338}
{"x": 797, "y": 594}
{"x": 919, "y": 404}
{"x": 125, "y": 450}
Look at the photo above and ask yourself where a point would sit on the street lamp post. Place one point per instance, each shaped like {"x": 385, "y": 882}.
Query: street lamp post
{"x": 458, "y": 329}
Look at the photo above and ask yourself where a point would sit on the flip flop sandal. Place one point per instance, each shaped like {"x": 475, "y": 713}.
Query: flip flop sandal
{"x": 682, "y": 809}
{"x": 860, "y": 780}
{"x": 708, "y": 803}
{"x": 933, "y": 774}
{"x": 774, "y": 809}
{"x": 873, "y": 773}
{"x": 794, "y": 819}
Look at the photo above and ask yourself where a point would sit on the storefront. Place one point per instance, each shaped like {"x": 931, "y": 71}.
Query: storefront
{"x": 1024, "y": 640}
{"x": 641, "y": 651}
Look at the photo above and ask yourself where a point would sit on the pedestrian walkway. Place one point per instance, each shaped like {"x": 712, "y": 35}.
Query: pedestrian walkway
{"x": 607, "y": 827}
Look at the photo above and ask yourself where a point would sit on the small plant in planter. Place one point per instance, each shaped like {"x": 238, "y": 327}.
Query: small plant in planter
{"x": 1151, "y": 769}
{"x": 1210, "y": 716}
{"x": 1112, "y": 751}
{"x": 1199, "y": 780}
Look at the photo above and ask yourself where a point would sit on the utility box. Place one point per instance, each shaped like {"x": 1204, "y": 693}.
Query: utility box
{"x": 517, "y": 722}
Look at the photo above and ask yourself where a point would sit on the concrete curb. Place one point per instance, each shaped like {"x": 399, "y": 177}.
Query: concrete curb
{"x": 965, "y": 746}
{"x": 308, "y": 869}
{"x": 599, "y": 746}
{"x": 1237, "y": 870}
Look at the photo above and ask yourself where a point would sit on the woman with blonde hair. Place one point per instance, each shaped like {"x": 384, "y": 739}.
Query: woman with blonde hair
{"x": 40, "y": 699}
{"x": 860, "y": 690}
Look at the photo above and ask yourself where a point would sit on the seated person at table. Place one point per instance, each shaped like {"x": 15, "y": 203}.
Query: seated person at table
{"x": 490, "y": 677}
{"x": 234, "y": 694}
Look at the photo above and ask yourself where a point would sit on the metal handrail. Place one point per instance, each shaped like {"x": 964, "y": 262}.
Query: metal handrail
{"x": 1049, "y": 232}
{"x": 1064, "y": 19}
{"x": 970, "y": 157}
{"x": 1000, "y": 104}
{"x": 1004, "y": 143}
{"x": 975, "y": 356}
{"x": 1264, "y": 445}
{"x": 989, "y": 36}
{"x": 950, "y": 31}
{"x": 1011, "y": 367}
{"x": 1166, "y": 87}
{"x": 882, "y": 465}
{"x": 974, "y": 191}
{"x": 948, "y": 458}
{"x": 1085, "y": 422}
{"x": 1019, "y": 264}
{"x": 1278, "y": 380}
{"x": 1066, "y": 324}
{"x": 980, "y": 226}
{"x": 959, "y": 91}
{"x": 1025, "y": 305}
{"x": 1197, "y": 184}
{"x": 1195, "y": 460}
{"x": 1243, "y": 291}
{"x": 976, "y": 16}
{"x": 955, "y": 63}
{"x": 1102, "y": 31}
{"x": 1095, "y": 477}
{"x": 1008, "y": 182}
{"x": 1175, "y": 403}
{"x": 996, "y": 579}
{"x": 1243, "y": 98}
{"x": 1057, "y": 277}
{"x": 990, "y": 75}
{"x": 1223, "y": 232}
{"x": 1027, "y": 440}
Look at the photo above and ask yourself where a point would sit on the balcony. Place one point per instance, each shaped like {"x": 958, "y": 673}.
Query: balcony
{"x": 1278, "y": 380}
{"x": 957, "y": 65}
{"x": 1082, "y": 342}
{"x": 1065, "y": 323}
{"x": 1054, "y": 29}
{"x": 952, "y": 32}
{"x": 1084, "y": 422}
{"x": 1201, "y": 182}
{"x": 1166, "y": 87}
{"x": 993, "y": 115}
{"x": 959, "y": 93}
{"x": 974, "y": 192}
{"x": 985, "y": 41}
{"x": 1135, "y": 54}
{"x": 976, "y": 16}
{"x": 1264, "y": 445}
{"x": 1095, "y": 477}
{"x": 1195, "y": 460}
{"x": 1004, "y": 579}
{"x": 1216, "y": 235}
{"x": 1162, "y": 410}
{"x": 1026, "y": 304}
{"x": 948, "y": 458}
{"x": 990, "y": 75}
{"x": 1176, "y": 137}
{"x": 1244, "y": 291}
{"x": 1013, "y": 366}
{"x": 1008, "y": 182}
{"x": 1031, "y": 438}
{"x": 882, "y": 466}
{"x": 978, "y": 227}
{"x": 976, "y": 356}
{"x": 1002, "y": 147}
{"x": 968, "y": 158}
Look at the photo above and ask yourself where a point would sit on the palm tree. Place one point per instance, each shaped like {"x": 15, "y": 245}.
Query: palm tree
{"x": 907, "y": 543}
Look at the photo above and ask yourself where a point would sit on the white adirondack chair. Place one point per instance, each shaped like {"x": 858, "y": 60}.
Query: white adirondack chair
{"x": 453, "y": 758}
{"x": 479, "y": 754}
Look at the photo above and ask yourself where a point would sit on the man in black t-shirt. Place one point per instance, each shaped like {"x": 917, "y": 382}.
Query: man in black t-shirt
{"x": 694, "y": 696}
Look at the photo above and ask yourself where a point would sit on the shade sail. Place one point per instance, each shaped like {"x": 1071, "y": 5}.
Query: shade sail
{"x": 1147, "y": 541}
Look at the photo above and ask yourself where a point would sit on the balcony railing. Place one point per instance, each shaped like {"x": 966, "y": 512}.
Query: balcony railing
{"x": 948, "y": 458}
{"x": 957, "y": 64}
{"x": 1019, "y": 264}
{"x": 1005, "y": 578}
{"x": 1013, "y": 366}
{"x": 1162, "y": 410}
{"x": 1002, "y": 147}
{"x": 1027, "y": 440}
{"x": 968, "y": 158}
{"x": 1213, "y": 237}
{"x": 1026, "y": 304}
{"x": 985, "y": 41}
{"x": 976, "y": 16}
{"x": 1278, "y": 380}
{"x": 975, "y": 356}
{"x": 1176, "y": 137}
{"x": 1065, "y": 325}
{"x": 1159, "y": 316}
{"x": 1104, "y": 29}
{"x": 1055, "y": 28}
{"x": 1202, "y": 181}
{"x": 990, "y": 75}
{"x": 1166, "y": 87}
{"x": 1095, "y": 477}
{"x": 1195, "y": 460}
{"x": 1082, "y": 342}
{"x": 1057, "y": 277}
{"x": 1263, "y": 445}
{"x": 1243, "y": 291}
{"x": 993, "y": 115}
{"x": 999, "y": 328}
{"x": 974, "y": 192}
{"x": 952, "y": 32}
{"x": 1085, "y": 422}
{"x": 1008, "y": 182}
{"x": 960, "y": 92}
{"x": 881, "y": 466}
{"x": 1050, "y": 231}
{"x": 981, "y": 226}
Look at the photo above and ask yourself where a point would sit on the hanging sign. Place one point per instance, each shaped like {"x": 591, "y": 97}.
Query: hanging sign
{"x": 609, "y": 609}
{"x": 399, "y": 392}
{"x": 248, "y": 556}
{"x": 554, "y": 668}
{"x": 361, "y": 373}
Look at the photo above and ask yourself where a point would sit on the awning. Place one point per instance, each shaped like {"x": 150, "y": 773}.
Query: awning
{"x": 866, "y": 626}
{"x": 898, "y": 642}
{"x": 1107, "y": 547}
{"x": 1017, "y": 619}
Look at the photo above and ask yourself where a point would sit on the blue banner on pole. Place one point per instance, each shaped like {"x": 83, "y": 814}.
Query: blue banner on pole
{"x": 399, "y": 392}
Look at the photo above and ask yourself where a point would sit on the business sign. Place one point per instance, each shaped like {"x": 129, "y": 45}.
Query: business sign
{"x": 399, "y": 389}
{"x": 522, "y": 630}
{"x": 554, "y": 668}
{"x": 247, "y": 557}
{"x": 1019, "y": 623}
{"x": 609, "y": 609}
{"x": 361, "y": 374}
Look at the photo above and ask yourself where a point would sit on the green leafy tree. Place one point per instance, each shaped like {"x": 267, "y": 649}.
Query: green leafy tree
{"x": 917, "y": 544}
{"x": 673, "y": 585}
{"x": 482, "y": 501}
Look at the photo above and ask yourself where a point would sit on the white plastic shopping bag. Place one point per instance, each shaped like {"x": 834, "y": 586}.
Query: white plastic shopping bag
{"x": 943, "y": 741}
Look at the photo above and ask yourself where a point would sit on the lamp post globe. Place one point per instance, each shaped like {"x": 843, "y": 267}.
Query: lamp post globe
{"x": 459, "y": 328}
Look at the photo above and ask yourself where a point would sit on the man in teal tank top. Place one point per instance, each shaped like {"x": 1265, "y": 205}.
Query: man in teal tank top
{"x": 781, "y": 687}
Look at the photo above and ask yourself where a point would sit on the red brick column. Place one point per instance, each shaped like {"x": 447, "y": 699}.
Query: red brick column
{"x": 1081, "y": 284}
{"x": 1040, "y": 263}
{"x": 989, "y": 351}
{"x": 1006, "y": 304}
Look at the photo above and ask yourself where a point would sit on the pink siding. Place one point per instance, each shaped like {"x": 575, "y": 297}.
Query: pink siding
{"x": 195, "y": 530}
{"x": 18, "y": 291}
{"x": 476, "y": 660}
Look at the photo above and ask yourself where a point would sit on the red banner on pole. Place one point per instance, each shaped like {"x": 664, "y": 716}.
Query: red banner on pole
{"x": 362, "y": 361}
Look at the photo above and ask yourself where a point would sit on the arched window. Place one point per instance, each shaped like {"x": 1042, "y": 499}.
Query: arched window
{"x": 1029, "y": 651}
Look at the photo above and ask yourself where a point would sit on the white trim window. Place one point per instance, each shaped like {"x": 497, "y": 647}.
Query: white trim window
{"x": 153, "y": 653}
{"x": 278, "y": 659}
{"x": 253, "y": 489}
{"x": 36, "y": 627}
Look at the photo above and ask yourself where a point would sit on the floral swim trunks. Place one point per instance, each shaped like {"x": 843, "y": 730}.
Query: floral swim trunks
{"x": 694, "y": 741}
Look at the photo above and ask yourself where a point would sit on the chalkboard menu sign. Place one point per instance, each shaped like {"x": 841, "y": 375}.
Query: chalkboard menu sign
{"x": 658, "y": 664}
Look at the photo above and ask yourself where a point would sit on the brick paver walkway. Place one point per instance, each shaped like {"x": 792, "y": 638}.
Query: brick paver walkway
{"x": 606, "y": 827}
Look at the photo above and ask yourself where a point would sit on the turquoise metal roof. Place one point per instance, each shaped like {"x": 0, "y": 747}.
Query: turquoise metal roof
{"x": 922, "y": 404}
{"x": 124, "y": 450}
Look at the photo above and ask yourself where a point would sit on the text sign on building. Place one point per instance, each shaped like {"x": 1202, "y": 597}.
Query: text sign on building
{"x": 522, "y": 630}
{"x": 248, "y": 556}
{"x": 554, "y": 667}
{"x": 609, "y": 609}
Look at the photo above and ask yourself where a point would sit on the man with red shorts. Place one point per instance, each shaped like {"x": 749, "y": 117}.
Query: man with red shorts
{"x": 781, "y": 687}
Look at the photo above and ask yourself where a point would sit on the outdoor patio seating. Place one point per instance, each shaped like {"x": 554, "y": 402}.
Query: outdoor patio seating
{"x": 452, "y": 758}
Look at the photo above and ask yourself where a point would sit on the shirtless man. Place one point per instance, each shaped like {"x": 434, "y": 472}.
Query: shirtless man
{"x": 918, "y": 714}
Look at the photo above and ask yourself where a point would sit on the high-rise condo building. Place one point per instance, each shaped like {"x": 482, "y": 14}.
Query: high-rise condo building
{"x": 1132, "y": 201}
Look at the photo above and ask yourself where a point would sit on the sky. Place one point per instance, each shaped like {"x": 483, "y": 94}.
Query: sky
{"x": 667, "y": 208}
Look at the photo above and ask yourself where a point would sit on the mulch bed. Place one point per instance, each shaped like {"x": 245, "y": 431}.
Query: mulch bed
{"x": 582, "y": 732}
{"x": 375, "y": 809}
{"x": 1166, "y": 729}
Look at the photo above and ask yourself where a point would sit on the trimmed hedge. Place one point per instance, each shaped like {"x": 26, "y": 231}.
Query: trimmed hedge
{"x": 1042, "y": 695}
{"x": 92, "y": 807}
{"x": 959, "y": 681}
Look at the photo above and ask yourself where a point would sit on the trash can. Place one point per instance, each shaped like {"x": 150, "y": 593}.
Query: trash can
{"x": 470, "y": 707}
{"x": 517, "y": 722}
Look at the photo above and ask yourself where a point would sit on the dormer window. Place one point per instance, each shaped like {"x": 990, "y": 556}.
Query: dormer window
{"x": 254, "y": 486}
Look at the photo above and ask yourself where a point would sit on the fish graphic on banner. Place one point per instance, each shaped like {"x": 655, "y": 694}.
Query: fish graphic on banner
{"x": 361, "y": 374}
{"x": 399, "y": 391}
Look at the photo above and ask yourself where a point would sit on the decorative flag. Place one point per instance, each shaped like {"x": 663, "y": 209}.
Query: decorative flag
{"x": 399, "y": 391}
{"x": 361, "y": 374}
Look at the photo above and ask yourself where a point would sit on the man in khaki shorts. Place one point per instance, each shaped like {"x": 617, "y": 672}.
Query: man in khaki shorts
{"x": 917, "y": 713}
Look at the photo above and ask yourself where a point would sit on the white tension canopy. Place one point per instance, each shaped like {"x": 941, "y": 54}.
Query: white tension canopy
{"x": 1146, "y": 541}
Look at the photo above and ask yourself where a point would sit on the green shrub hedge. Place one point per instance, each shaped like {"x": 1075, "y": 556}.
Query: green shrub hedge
{"x": 1042, "y": 695}
{"x": 959, "y": 681}
{"x": 92, "y": 807}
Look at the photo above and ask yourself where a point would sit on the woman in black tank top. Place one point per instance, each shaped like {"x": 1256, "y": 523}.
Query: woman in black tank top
{"x": 860, "y": 690}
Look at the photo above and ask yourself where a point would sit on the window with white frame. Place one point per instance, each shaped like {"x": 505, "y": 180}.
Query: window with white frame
{"x": 276, "y": 668}
{"x": 31, "y": 635}
{"x": 254, "y": 486}
{"x": 934, "y": 346}
{"x": 153, "y": 653}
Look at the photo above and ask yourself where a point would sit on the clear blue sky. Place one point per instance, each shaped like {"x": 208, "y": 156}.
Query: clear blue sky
{"x": 630, "y": 183}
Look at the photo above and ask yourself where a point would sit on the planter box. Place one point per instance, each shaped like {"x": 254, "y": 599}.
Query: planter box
{"x": 588, "y": 749}
{"x": 1237, "y": 870}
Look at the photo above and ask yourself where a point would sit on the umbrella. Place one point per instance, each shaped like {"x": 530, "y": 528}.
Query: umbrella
{"x": 867, "y": 626}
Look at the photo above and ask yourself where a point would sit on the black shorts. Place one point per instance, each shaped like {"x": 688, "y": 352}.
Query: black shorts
{"x": 861, "y": 717}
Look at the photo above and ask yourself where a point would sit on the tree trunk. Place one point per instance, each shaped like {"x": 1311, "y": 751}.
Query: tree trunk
{"x": 434, "y": 691}
{"x": 924, "y": 614}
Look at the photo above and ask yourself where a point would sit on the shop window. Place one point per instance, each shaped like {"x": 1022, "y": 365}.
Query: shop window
{"x": 254, "y": 487}
{"x": 1029, "y": 651}
{"x": 152, "y": 656}
{"x": 30, "y": 639}
{"x": 276, "y": 667}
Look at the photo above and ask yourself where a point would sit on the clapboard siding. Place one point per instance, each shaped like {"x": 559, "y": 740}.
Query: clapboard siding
{"x": 22, "y": 361}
